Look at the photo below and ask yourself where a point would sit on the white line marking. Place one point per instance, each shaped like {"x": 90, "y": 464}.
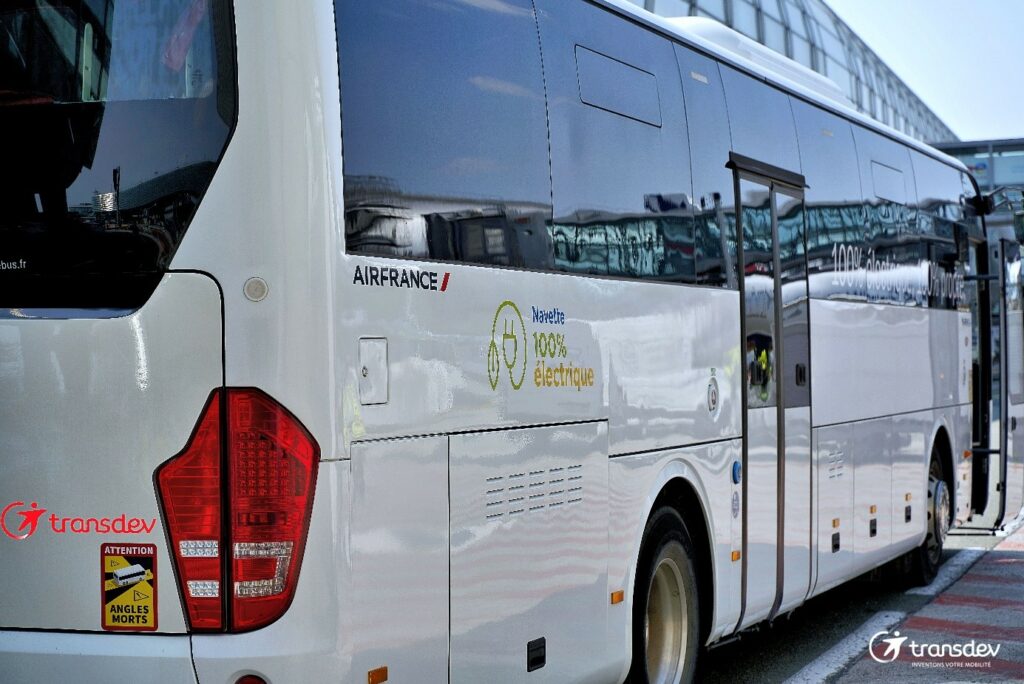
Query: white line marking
{"x": 1010, "y": 527}
{"x": 950, "y": 572}
{"x": 835, "y": 659}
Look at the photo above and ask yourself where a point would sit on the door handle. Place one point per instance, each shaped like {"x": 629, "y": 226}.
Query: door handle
{"x": 801, "y": 375}
{"x": 1013, "y": 423}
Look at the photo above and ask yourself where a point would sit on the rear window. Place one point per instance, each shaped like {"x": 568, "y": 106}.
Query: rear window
{"x": 113, "y": 116}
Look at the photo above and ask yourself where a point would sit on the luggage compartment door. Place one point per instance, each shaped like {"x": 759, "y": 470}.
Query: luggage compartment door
{"x": 529, "y": 547}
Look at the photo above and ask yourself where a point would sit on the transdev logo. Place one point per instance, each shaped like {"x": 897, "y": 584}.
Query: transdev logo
{"x": 29, "y": 519}
{"x": 892, "y": 647}
{"x": 20, "y": 521}
{"x": 887, "y": 650}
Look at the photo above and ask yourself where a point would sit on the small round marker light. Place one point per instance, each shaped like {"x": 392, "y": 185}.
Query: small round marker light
{"x": 256, "y": 289}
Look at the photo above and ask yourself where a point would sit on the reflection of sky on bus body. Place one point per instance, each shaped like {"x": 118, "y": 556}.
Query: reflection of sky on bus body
{"x": 145, "y": 63}
{"x": 403, "y": 83}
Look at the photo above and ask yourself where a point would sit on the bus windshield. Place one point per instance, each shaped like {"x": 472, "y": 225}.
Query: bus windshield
{"x": 113, "y": 117}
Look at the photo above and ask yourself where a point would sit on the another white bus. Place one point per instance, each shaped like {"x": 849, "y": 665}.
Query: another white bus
{"x": 469, "y": 340}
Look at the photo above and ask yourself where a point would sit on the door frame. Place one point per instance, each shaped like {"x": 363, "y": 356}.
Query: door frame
{"x": 793, "y": 184}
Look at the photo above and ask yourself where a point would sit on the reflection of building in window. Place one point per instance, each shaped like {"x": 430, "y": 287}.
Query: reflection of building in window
{"x": 669, "y": 243}
{"x": 666, "y": 244}
{"x": 809, "y": 32}
{"x": 629, "y": 246}
{"x": 380, "y": 220}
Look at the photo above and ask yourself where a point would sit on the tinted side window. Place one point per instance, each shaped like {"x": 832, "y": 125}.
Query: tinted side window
{"x": 714, "y": 206}
{"x": 940, "y": 210}
{"x": 835, "y": 214}
{"x": 761, "y": 121}
{"x": 892, "y": 261}
{"x": 445, "y": 136}
{"x": 620, "y": 169}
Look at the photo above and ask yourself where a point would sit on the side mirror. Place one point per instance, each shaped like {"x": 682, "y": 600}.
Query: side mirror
{"x": 983, "y": 204}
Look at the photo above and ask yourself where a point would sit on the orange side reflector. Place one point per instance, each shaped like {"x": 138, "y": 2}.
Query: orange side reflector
{"x": 618, "y": 596}
{"x": 967, "y": 453}
{"x": 874, "y": 509}
{"x": 736, "y": 555}
{"x": 835, "y": 523}
{"x": 378, "y": 676}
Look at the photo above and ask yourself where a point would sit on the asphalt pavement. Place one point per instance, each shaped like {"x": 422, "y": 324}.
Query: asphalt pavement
{"x": 971, "y": 631}
{"x": 948, "y": 631}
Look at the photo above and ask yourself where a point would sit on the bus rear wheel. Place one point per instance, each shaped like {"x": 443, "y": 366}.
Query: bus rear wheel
{"x": 666, "y": 611}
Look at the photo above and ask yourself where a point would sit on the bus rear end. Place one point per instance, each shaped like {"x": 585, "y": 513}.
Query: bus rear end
{"x": 157, "y": 487}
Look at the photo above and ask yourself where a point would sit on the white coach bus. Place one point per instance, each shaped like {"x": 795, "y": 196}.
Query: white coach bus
{"x": 467, "y": 340}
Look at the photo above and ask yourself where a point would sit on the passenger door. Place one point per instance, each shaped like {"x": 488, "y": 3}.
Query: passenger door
{"x": 1011, "y": 464}
{"x": 777, "y": 466}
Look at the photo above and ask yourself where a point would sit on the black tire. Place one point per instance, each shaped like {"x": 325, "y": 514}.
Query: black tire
{"x": 665, "y": 599}
{"x": 924, "y": 561}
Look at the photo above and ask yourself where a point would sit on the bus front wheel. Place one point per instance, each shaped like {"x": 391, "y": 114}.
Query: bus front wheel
{"x": 925, "y": 559}
{"x": 666, "y": 623}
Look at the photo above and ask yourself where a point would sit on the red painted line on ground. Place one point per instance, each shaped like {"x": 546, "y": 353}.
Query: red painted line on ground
{"x": 971, "y": 630}
{"x": 948, "y": 599}
{"x": 1010, "y": 546}
{"x": 995, "y": 579}
{"x": 1000, "y": 561}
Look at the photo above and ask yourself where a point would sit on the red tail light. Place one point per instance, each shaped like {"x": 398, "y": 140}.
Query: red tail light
{"x": 237, "y": 502}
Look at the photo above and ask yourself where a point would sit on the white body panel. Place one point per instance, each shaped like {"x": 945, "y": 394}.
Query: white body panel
{"x": 875, "y": 360}
{"x": 69, "y": 657}
{"x": 634, "y": 484}
{"x": 274, "y": 211}
{"x": 120, "y": 396}
{"x": 835, "y": 473}
{"x": 529, "y": 551}
{"x": 762, "y": 512}
{"x": 399, "y": 533}
{"x": 799, "y": 510}
{"x": 1014, "y": 491}
{"x": 689, "y": 335}
{"x": 852, "y": 477}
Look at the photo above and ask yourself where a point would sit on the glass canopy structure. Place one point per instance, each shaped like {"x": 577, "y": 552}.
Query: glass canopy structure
{"x": 811, "y": 33}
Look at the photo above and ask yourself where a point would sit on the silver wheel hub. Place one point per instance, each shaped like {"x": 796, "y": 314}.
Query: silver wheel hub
{"x": 940, "y": 509}
{"x": 938, "y": 517}
{"x": 666, "y": 624}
